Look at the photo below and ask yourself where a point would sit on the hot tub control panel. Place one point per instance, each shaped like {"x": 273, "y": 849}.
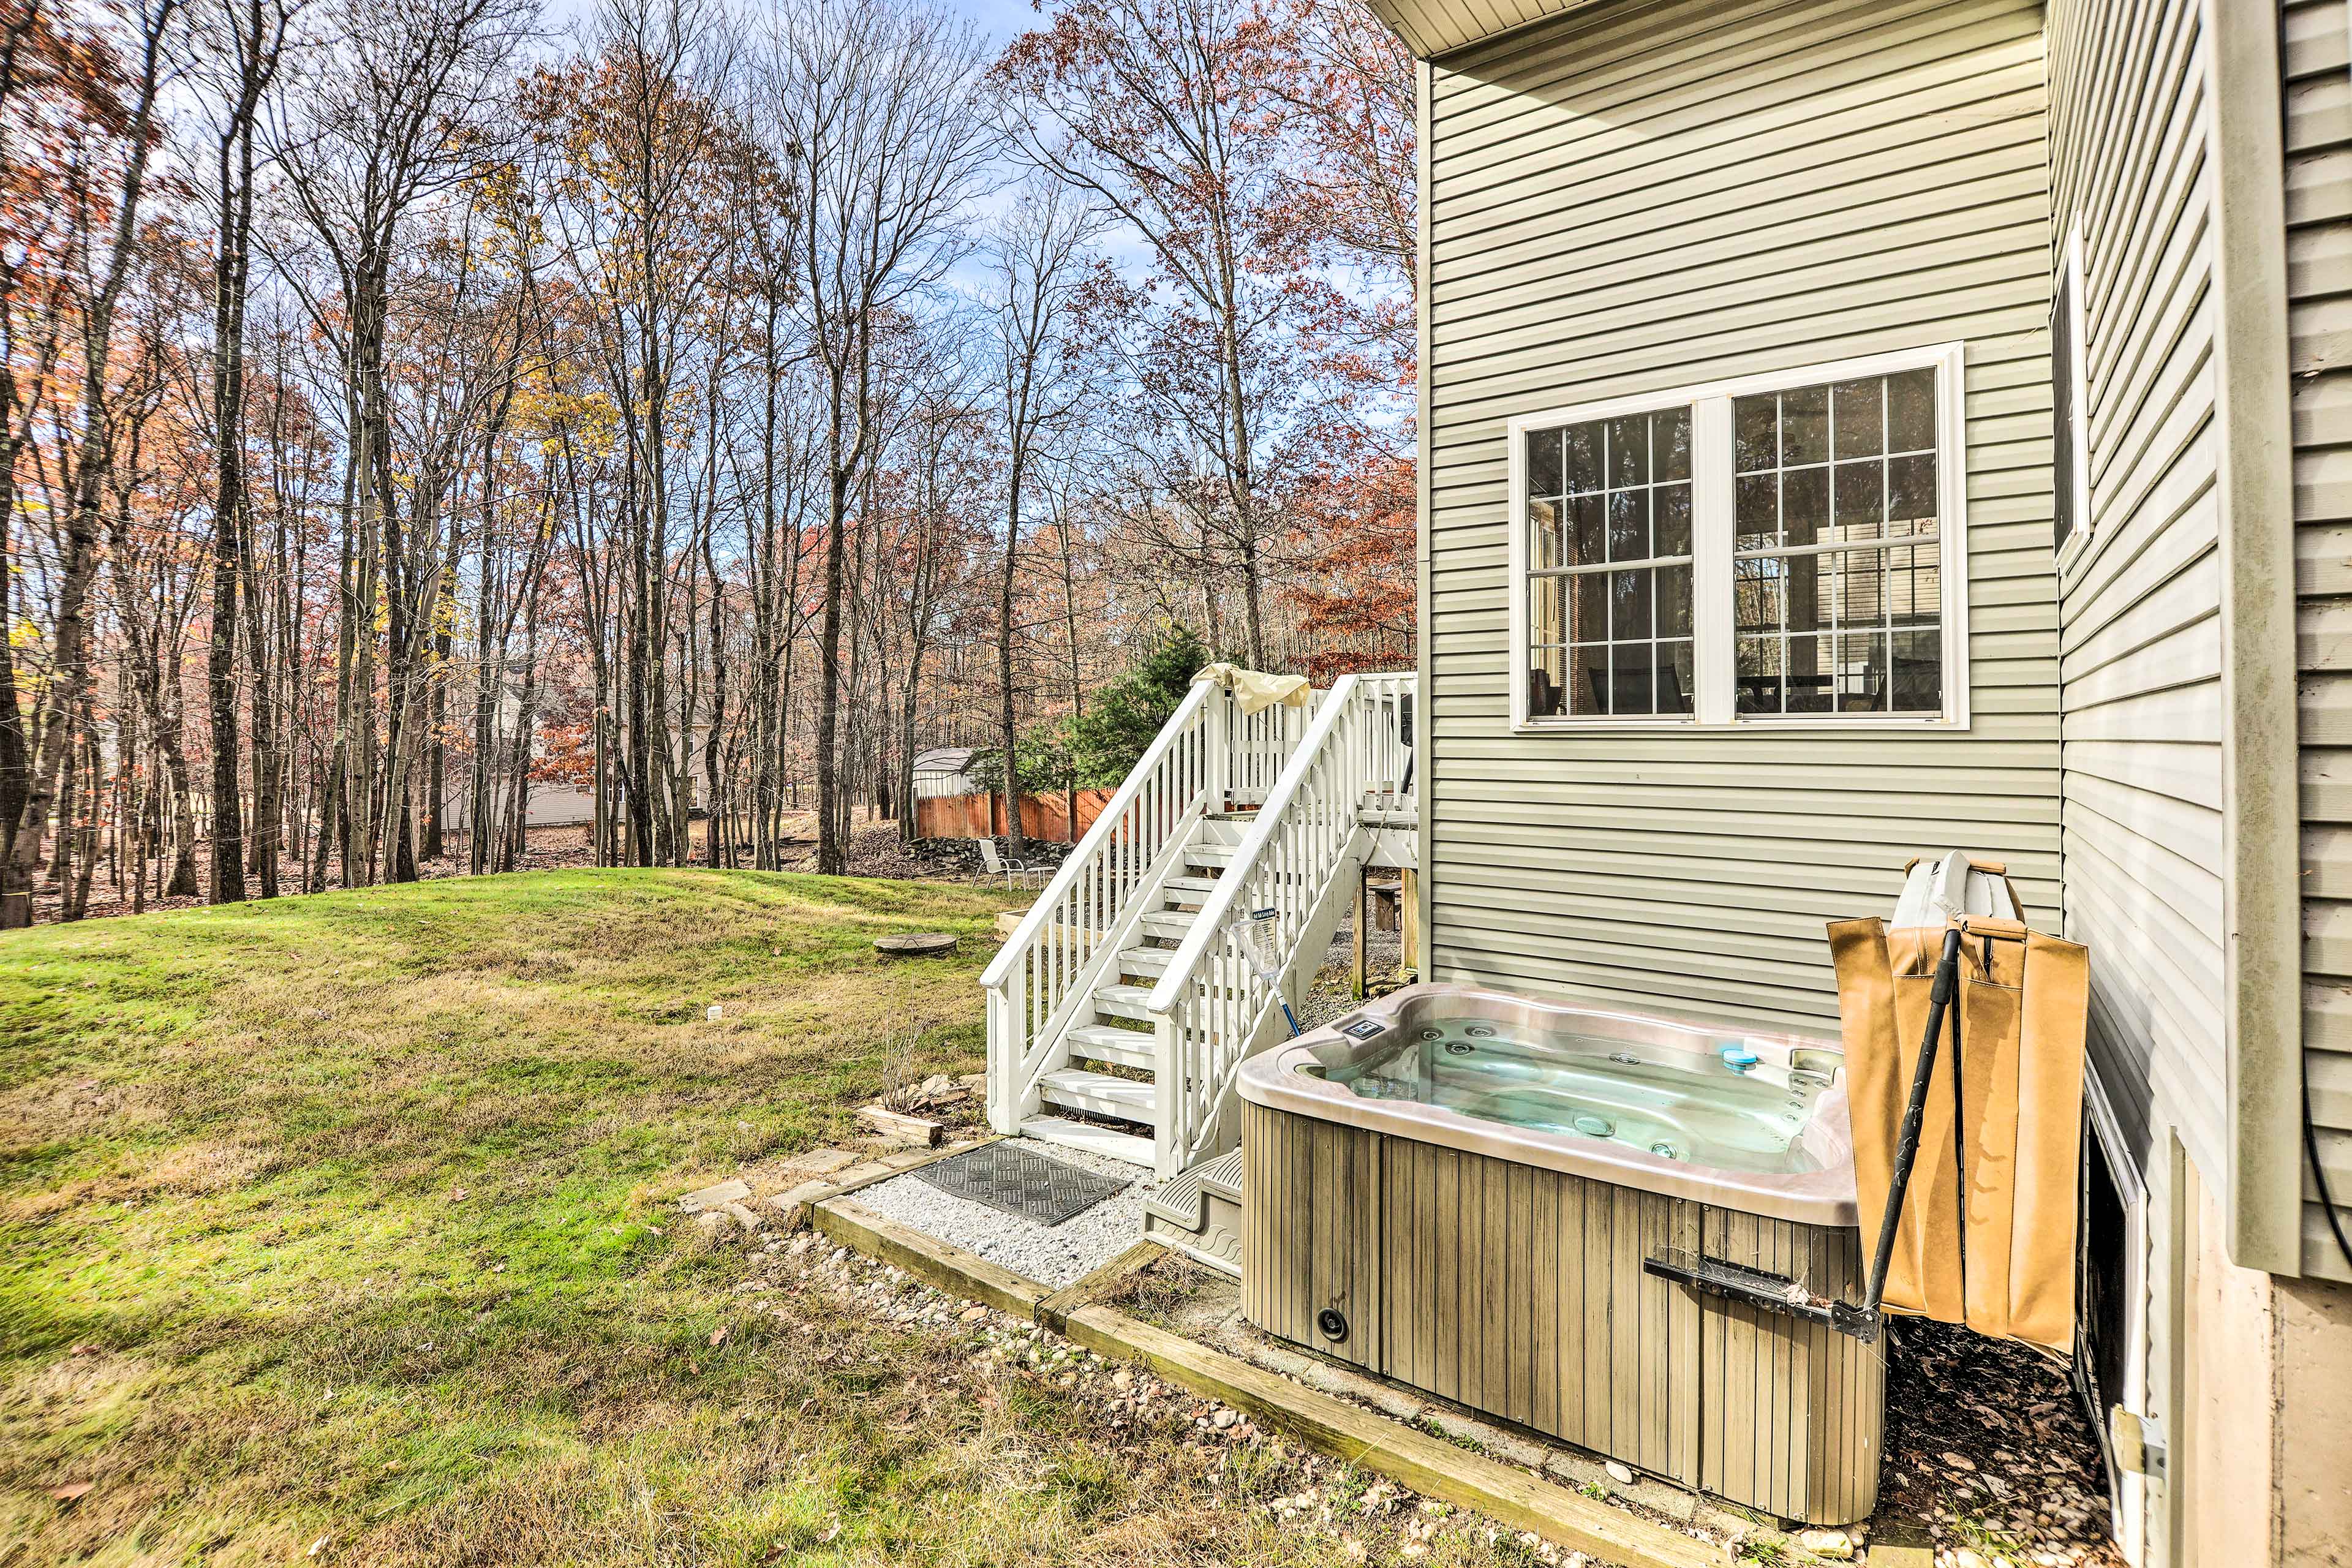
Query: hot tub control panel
{"x": 1362, "y": 1028}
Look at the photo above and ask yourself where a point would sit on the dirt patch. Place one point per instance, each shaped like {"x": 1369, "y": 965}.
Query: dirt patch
{"x": 544, "y": 849}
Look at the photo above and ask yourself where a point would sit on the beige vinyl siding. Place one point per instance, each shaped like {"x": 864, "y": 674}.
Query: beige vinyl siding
{"x": 2141, "y": 603}
{"x": 2317, "y": 67}
{"x": 1631, "y": 198}
{"x": 1432, "y": 27}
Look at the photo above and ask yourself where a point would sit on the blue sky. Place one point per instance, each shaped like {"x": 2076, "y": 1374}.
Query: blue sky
{"x": 1003, "y": 18}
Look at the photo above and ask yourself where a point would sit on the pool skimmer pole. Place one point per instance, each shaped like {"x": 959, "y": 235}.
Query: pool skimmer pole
{"x": 1257, "y": 946}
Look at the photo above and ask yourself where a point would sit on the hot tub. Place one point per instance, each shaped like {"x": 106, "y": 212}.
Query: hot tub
{"x": 1457, "y": 1188}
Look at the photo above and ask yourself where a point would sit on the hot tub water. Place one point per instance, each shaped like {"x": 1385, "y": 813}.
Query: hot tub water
{"x": 1676, "y": 1104}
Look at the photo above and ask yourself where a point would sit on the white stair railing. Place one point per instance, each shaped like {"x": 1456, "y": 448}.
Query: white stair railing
{"x": 1210, "y": 1006}
{"x": 1258, "y": 747}
{"x": 1043, "y": 974}
{"x": 1391, "y": 789}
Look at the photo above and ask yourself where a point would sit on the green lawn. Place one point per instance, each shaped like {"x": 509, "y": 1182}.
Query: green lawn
{"x": 351, "y": 1218}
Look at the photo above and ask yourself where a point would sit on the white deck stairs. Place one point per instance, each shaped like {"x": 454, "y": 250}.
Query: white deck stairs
{"x": 1121, "y": 1009}
{"x": 1113, "y": 1053}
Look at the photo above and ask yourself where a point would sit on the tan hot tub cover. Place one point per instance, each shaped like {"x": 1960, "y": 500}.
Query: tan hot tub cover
{"x": 1998, "y": 1253}
{"x": 1255, "y": 690}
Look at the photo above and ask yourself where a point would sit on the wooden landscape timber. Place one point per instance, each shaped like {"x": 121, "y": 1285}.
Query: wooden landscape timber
{"x": 914, "y": 1130}
{"x": 1412, "y": 1459}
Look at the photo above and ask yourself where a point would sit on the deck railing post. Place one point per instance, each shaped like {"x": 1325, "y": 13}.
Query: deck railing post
{"x": 1217, "y": 729}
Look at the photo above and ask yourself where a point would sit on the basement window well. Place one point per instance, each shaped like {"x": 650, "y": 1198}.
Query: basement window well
{"x": 1776, "y": 550}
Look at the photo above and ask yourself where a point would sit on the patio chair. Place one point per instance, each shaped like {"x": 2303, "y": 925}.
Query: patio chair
{"x": 1016, "y": 873}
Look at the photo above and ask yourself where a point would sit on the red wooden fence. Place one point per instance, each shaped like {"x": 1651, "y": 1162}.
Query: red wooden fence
{"x": 1045, "y": 817}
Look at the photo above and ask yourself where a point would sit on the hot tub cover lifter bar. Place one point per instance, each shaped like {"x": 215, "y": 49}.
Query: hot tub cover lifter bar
{"x": 1778, "y": 1293}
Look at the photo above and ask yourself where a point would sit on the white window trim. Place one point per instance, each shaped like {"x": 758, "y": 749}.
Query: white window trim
{"x": 2130, "y": 1513}
{"x": 2078, "y": 366}
{"x": 1712, "y": 541}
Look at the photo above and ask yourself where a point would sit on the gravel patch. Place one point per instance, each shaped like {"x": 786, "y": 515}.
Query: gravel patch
{"x": 1326, "y": 996}
{"x": 1056, "y": 1255}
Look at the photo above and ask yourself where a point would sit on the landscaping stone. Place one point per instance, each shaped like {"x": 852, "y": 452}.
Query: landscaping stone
{"x": 821, "y": 1162}
{"x": 716, "y": 1196}
{"x": 892, "y": 1128}
{"x": 791, "y": 1207}
{"x": 1622, "y": 1474}
{"x": 741, "y": 1216}
{"x": 1834, "y": 1545}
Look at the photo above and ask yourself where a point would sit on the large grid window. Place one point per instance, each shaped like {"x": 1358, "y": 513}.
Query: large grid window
{"x": 1609, "y": 550}
{"x": 1762, "y": 552}
{"x": 1835, "y": 574}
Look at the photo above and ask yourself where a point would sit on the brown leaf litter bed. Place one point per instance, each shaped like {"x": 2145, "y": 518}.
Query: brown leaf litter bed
{"x": 1988, "y": 1447}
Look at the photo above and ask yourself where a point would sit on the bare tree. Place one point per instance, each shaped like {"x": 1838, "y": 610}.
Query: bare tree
{"x": 106, "y": 193}
{"x": 1163, "y": 113}
{"x": 386, "y": 118}
{"x": 872, "y": 109}
{"x": 241, "y": 44}
{"x": 1037, "y": 268}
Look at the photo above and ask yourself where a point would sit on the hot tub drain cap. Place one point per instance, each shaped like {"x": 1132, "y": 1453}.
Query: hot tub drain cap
{"x": 1333, "y": 1323}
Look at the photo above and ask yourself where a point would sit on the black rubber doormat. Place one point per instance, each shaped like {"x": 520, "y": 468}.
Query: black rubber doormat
{"x": 1019, "y": 1181}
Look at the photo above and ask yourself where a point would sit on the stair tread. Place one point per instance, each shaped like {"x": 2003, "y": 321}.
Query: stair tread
{"x": 1085, "y": 1135}
{"x": 1180, "y": 1202}
{"x": 1222, "y": 1176}
{"x": 1105, "y": 1042}
{"x": 1101, "y": 1094}
{"x": 1109, "y": 1034}
{"x": 1137, "y": 995}
{"x": 1105, "y": 1086}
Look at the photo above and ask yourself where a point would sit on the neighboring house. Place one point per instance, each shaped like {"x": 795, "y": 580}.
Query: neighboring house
{"x": 1850, "y": 431}
{"x": 549, "y": 806}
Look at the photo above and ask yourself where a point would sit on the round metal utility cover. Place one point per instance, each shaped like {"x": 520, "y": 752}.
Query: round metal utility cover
{"x": 916, "y": 944}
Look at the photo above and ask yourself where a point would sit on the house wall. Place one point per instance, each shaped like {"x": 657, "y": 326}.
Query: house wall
{"x": 2317, "y": 64}
{"x": 2141, "y": 601}
{"x": 2144, "y": 816}
{"x": 1631, "y": 198}
{"x": 551, "y": 806}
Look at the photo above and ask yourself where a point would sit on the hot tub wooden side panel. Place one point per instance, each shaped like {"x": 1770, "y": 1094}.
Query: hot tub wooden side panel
{"x": 1520, "y": 1292}
{"x": 1798, "y": 1408}
{"x": 1312, "y": 1242}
